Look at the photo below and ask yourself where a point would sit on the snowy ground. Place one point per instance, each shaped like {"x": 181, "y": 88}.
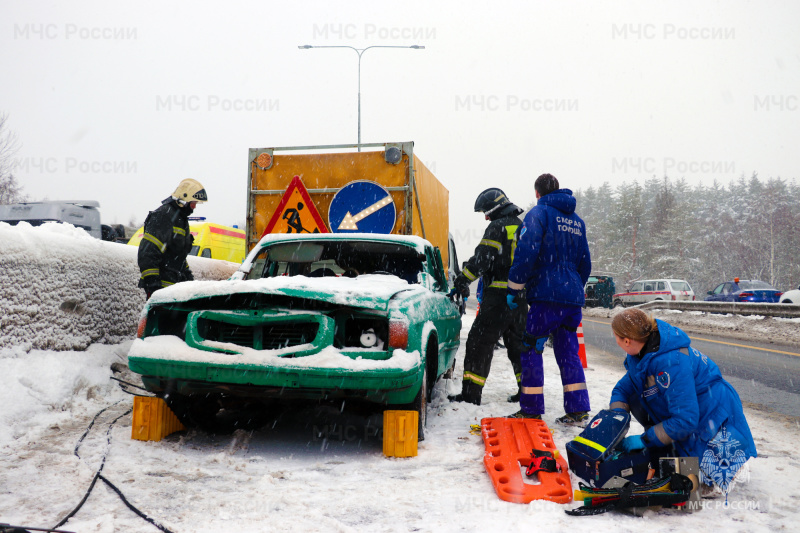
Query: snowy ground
{"x": 290, "y": 477}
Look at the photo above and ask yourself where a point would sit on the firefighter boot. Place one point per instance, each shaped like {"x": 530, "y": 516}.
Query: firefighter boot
{"x": 470, "y": 393}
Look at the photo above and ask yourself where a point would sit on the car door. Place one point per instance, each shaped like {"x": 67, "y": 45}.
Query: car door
{"x": 728, "y": 291}
{"x": 715, "y": 295}
{"x": 647, "y": 292}
{"x": 444, "y": 313}
{"x": 633, "y": 294}
{"x": 661, "y": 290}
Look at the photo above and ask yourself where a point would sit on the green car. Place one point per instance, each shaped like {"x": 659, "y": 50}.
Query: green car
{"x": 314, "y": 317}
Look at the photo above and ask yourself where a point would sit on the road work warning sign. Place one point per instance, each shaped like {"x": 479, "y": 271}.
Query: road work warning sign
{"x": 296, "y": 213}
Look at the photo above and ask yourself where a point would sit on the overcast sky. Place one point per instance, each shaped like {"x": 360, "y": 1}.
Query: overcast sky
{"x": 117, "y": 102}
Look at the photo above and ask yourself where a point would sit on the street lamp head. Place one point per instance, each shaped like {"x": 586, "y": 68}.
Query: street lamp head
{"x": 417, "y": 47}
{"x": 305, "y": 46}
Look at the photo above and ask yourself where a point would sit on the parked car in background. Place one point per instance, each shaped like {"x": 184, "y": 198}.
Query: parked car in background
{"x": 744, "y": 290}
{"x": 791, "y": 297}
{"x": 650, "y": 290}
{"x": 599, "y": 291}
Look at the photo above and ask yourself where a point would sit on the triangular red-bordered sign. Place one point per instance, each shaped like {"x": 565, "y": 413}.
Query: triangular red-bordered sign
{"x": 296, "y": 212}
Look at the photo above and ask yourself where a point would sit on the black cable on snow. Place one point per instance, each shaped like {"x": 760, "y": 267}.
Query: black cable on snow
{"x": 129, "y": 384}
{"x": 99, "y": 475}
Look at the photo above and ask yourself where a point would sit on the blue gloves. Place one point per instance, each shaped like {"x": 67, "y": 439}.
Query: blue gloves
{"x": 633, "y": 443}
{"x": 452, "y": 292}
{"x": 510, "y": 301}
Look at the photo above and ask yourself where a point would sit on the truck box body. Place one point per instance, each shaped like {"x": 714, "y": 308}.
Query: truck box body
{"x": 81, "y": 214}
{"x": 421, "y": 201}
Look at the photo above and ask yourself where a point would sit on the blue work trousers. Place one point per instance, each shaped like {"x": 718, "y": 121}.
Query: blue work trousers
{"x": 562, "y": 321}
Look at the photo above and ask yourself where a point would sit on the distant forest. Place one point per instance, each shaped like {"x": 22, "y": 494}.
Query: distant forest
{"x": 666, "y": 228}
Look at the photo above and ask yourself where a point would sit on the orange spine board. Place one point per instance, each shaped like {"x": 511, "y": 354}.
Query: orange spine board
{"x": 509, "y": 442}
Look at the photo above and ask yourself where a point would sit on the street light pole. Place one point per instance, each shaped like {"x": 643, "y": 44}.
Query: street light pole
{"x": 360, "y": 52}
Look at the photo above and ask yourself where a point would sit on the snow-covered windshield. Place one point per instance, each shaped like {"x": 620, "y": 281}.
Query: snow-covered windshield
{"x": 327, "y": 258}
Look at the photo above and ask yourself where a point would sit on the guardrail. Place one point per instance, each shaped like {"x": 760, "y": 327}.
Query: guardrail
{"x": 763, "y": 309}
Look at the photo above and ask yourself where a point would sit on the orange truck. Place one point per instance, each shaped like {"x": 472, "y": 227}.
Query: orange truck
{"x": 340, "y": 188}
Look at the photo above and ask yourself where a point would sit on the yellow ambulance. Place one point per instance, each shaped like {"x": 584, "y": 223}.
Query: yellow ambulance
{"x": 210, "y": 240}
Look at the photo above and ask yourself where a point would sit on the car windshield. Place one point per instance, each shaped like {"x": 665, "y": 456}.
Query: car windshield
{"x": 337, "y": 258}
{"x": 680, "y": 286}
{"x": 755, "y": 285}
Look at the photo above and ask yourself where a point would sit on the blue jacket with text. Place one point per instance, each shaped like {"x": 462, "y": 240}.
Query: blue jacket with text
{"x": 552, "y": 258}
{"x": 685, "y": 396}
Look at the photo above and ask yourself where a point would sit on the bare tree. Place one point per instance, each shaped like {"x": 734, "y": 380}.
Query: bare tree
{"x": 10, "y": 190}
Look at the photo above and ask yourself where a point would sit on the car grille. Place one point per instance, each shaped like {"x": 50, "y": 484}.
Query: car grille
{"x": 260, "y": 337}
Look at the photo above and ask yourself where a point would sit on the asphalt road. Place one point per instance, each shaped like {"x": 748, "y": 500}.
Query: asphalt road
{"x": 762, "y": 374}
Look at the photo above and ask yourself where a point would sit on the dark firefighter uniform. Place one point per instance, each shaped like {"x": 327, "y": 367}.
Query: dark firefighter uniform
{"x": 492, "y": 260}
{"x": 164, "y": 247}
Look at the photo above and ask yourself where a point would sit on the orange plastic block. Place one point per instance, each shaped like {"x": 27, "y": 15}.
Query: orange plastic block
{"x": 509, "y": 442}
{"x": 400, "y": 433}
{"x": 152, "y": 419}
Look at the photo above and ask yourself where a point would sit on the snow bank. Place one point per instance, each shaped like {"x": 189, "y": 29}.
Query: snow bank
{"x": 64, "y": 290}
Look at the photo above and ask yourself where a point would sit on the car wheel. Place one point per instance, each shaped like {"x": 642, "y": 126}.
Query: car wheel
{"x": 618, "y": 303}
{"x": 420, "y": 405}
{"x": 786, "y": 301}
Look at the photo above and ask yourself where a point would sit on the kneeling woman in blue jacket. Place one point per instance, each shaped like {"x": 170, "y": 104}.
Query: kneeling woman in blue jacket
{"x": 680, "y": 397}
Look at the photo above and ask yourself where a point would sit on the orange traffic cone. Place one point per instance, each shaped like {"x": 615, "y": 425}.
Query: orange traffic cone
{"x": 581, "y": 346}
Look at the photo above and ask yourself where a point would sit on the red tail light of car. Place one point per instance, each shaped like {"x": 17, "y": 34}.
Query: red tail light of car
{"x": 398, "y": 334}
{"x": 744, "y": 295}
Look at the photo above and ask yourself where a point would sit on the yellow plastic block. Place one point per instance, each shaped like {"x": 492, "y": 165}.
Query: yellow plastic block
{"x": 400, "y": 433}
{"x": 152, "y": 419}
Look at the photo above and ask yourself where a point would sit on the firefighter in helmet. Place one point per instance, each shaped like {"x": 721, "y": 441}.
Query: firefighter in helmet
{"x": 167, "y": 241}
{"x": 491, "y": 262}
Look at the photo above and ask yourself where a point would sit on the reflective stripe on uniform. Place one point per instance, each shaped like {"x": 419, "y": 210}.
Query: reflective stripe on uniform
{"x": 518, "y": 376}
{"x": 179, "y": 231}
{"x": 499, "y": 284}
{"x": 619, "y": 405}
{"x": 590, "y": 444}
{"x": 493, "y": 244}
{"x": 511, "y": 234}
{"x": 469, "y": 275}
{"x": 510, "y": 231}
{"x": 150, "y": 272}
{"x": 516, "y": 286}
{"x": 574, "y": 387}
{"x": 160, "y": 245}
{"x": 469, "y": 376}
{"x": 532, "y": 390}
{"x": 661, "y": 434}
{"x": 166, "y": 283}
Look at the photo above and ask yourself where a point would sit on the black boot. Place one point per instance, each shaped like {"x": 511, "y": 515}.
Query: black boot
{"x": 514, "y": 398}
{"x": 470, "y": 393}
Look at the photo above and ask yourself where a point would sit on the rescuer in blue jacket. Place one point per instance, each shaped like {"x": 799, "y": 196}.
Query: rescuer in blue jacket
{"x": 680, "y": 396}
{"x": 552, "y": 263}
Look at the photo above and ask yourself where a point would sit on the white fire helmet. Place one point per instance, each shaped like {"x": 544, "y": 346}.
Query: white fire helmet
{"x": 190, "y": 190}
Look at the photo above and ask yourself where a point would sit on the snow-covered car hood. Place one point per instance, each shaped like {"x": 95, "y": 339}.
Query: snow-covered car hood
{"x": 371, "y": 291}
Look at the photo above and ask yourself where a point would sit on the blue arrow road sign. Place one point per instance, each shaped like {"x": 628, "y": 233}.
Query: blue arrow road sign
{"x": 362, "y": 206}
